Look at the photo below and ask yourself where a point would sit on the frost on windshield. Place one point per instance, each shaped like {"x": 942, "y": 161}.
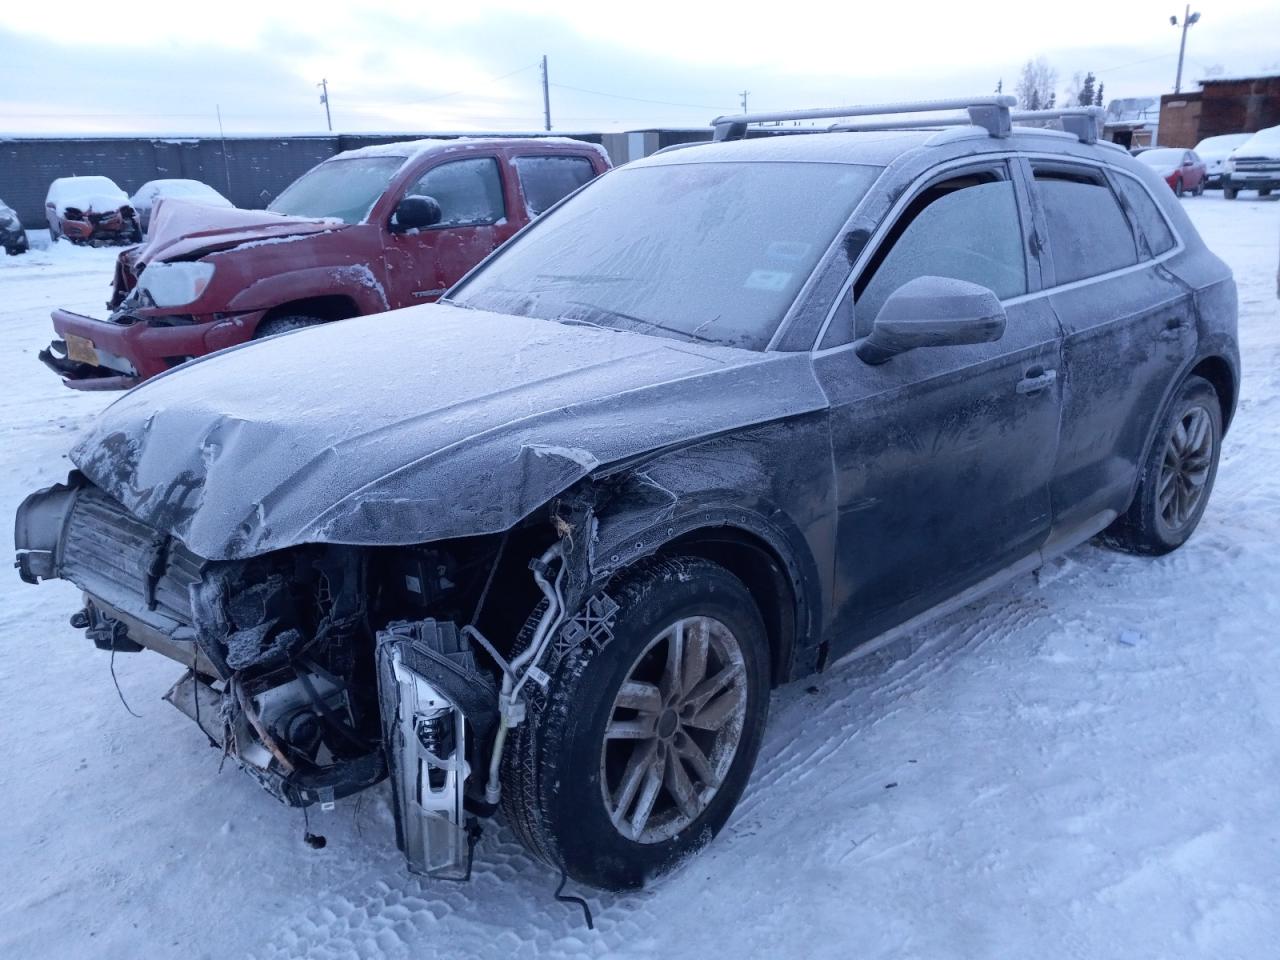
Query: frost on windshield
{"x": 692, "y": 251}
{"x": 342, "y": 189}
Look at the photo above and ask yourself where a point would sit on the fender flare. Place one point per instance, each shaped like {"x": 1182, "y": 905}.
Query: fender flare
{"x": 355, "y": 281}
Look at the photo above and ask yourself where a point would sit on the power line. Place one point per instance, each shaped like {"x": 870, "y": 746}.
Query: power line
{"x": 618, "y": 96}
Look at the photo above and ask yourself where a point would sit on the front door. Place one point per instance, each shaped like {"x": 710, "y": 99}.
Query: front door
{"x": 943, "y": 455}
{"x": 423, "y": 264}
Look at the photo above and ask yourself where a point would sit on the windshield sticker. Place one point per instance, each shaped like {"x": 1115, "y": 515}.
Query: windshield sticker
{"x": 772, "y": 280}
{"x": 790, "y": 250}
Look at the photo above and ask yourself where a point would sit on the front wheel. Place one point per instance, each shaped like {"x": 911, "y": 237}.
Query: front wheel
{"x": 1177, "y": 478}
{"x": 639, "y": 748}
{"x": 274, "y": 326}
{"x": 1229, "y": 193}
{"x": 1177, "y": 187}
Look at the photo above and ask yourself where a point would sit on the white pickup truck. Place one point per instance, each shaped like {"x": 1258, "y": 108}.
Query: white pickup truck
{"x": 1254, "y": 165}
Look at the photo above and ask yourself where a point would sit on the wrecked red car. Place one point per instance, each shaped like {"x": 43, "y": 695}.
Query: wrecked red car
{"x": 92, "y": 210}
{"x": 366, "y": 231}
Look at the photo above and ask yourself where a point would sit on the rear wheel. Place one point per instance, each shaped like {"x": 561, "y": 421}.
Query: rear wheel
{"x": 1177, "y": 477}
{"x": 638, "y": 750}
{"x": 284, "y": 324}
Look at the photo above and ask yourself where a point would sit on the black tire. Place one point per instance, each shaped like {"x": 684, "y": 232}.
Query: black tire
{"x": 1199, "y": 192}
{"x": 553, "y": 765}
{"x": 1177, "y": 188}
{"x": 1229, "y": 193}
{"x": 284, "y": 324}
{"x": 1265, "y": 193}
{"x": 1146, "y": 528}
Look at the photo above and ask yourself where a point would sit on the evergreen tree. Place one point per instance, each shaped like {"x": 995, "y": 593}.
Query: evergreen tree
{"x": 1087, "y": 94}
{"x": 1097, "y": 100}
{"x": 1035, "y": 84}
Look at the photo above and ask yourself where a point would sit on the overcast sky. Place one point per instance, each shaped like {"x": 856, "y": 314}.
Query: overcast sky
{"x": 397, "y": 66}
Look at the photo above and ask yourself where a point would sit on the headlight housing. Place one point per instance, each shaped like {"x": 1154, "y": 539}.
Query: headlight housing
{"x": 174, "y": 284}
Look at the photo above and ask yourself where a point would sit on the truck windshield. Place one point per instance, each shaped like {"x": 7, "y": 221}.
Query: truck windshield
{"x": 342, "y": 189}
{"x": 711, "y": 251}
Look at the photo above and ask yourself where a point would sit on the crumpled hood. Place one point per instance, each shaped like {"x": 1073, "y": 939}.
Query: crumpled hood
{"x": 181, "y": 229}
{"x": 415, "y": 425}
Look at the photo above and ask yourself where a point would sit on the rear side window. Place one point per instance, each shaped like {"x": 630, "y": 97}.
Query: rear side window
{"x": 965, "y": 228}
{"x": 547, "y": 180}
{"x": 469, "y": 191}
{"x": 1154, "y": 233}
{"x": 1088, "y": 232}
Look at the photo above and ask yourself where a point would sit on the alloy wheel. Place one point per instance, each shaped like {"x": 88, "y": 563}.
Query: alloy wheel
{"x": 1188, "y": 459}
{"x": 674, "y": 729}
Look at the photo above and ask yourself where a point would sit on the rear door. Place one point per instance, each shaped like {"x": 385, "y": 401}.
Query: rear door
{"x": 474, "y": 205}
{"x": 547, "y": 179}
{"x": 1127, "y": 326}
{"x": 943, "y": 455}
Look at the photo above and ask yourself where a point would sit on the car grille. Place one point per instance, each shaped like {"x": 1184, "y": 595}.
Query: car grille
{"x": 109, "y": 553}
{"x": 1258, "y": 166}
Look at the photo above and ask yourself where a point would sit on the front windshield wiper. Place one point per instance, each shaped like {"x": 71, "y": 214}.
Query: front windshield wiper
{"x": 645, "y": 324}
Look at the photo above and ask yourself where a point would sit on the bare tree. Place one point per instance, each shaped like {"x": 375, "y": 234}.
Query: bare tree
{"x": 1035, "y": 84}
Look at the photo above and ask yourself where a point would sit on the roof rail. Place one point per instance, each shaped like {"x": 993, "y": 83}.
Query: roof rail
{"x": 990, "y": 112}
{"x": 1084, "y": 123}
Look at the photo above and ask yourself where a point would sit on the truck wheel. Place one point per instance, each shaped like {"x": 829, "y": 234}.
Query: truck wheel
{"x": 1177, "y": 477}
{"x": 1265, "y": 193}
{"x": 284, "y": 324}
{"x": 637, "y": 751}
{"x": 1228, "y": 193}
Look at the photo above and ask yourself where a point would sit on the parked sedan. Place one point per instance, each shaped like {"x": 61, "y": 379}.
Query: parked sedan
{"x": 147, "y": 196}
{"x": 713, "y": 422}
{"x": 1214, "y": 151}
{"x": 90, "y": 210}
{"x": 1181, "y": 169}
{"x": 13, "y": 238}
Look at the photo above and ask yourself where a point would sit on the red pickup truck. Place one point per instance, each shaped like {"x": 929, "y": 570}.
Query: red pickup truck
{"x": 366, "y": 231}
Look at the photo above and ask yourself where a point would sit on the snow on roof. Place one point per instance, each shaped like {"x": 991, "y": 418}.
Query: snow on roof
{"x": 87, "y": 193}
{"x": 410, "y": 149}
{"x": 1237, "y": 78}
{"x": 146, "y": 194}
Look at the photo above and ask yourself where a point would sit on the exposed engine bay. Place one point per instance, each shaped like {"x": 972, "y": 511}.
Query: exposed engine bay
{"x": 320, "y": 670}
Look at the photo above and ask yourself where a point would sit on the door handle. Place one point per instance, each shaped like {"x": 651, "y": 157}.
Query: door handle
{"x": 1037, "y": 379}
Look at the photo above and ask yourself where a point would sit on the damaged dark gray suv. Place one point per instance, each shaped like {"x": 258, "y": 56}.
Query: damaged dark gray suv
{"x": 721, "y": 417}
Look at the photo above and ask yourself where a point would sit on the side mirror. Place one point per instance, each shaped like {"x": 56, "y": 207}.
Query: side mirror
{"x": 933, "y": 312}
{"x": 415, "y": 213}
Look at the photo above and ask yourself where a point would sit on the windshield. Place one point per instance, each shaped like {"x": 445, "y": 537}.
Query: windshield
{"x": 1168, "y": 157}
{"x": 343, "y": 189}
{"x": 713, "y": 252}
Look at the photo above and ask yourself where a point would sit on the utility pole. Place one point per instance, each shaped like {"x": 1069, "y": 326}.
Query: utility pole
{"x": 744, "y": 100}
{"x": 546, "y": 96}
{"x": 1188, "y": 18}
{"x": 226, "y": 166}
{"x": 324, "y": 98}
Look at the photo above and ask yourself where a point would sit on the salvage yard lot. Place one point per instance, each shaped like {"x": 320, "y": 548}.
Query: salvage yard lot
{"x": 1085, "y": 764}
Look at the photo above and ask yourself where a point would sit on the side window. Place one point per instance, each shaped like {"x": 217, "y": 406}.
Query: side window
{"x": 1088, "y": 232}
{"x": 546, "y": 180}
{"x": 964, "y": 227}
{"x": 469, "y": 191}
{"x": 1154, "y": 233}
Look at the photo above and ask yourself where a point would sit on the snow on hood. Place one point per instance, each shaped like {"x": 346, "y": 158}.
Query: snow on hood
{"x": 86, "y": 193}
{"x": 181, "y": 228}
{"x": 415, "y": 425}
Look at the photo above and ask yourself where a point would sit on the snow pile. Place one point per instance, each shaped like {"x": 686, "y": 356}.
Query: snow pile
{"x": 1084, "y": 764}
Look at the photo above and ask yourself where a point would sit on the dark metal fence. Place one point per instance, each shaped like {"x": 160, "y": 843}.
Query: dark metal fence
{"x": 249, "y": 171}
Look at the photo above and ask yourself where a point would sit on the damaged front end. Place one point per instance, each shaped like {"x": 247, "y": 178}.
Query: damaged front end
{"x": 320, "y": 669}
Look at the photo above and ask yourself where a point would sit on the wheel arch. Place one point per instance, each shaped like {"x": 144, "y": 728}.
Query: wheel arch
{"x": 1222, "y": 376}
{"x": 781, "y": 575}
{"x": 327, "y": 307}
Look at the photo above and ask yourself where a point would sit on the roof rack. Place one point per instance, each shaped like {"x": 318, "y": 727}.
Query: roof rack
{"x": 991, "y": 113}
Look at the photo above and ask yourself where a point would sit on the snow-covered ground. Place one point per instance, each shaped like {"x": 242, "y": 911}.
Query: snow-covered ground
{"x": 1086, "y": 764}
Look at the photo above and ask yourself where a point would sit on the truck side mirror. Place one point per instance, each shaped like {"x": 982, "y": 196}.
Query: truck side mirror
{"x": 415, "y": 213}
